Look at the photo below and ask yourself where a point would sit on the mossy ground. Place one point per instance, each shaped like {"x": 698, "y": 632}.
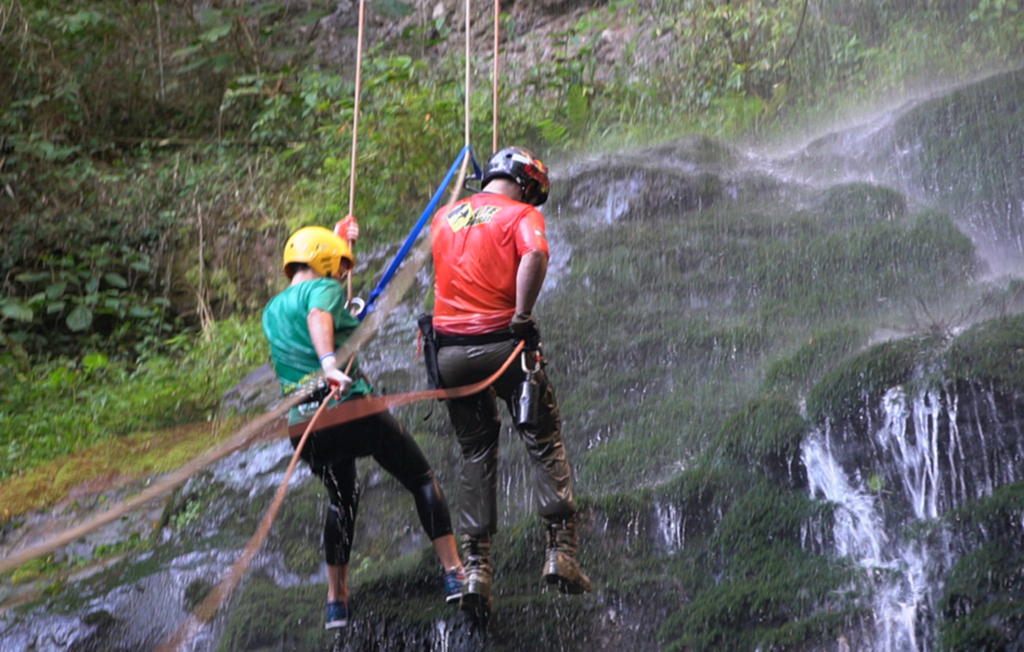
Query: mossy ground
{"x": 110, "y": 465}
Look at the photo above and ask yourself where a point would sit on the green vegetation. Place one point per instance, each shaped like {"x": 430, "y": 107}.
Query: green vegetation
{"x": 846, "y": 389}
{"x": 755, "y": 585}
{"x": 991, "y": 353}
{"x": 53, "y": 409}
{"x": 144, "y": 193}
{"x": 981, "y": 605}
{"x": 766, "y": 435}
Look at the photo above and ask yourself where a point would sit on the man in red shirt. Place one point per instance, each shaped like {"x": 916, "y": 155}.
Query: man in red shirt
{"x": 490, "y": 260}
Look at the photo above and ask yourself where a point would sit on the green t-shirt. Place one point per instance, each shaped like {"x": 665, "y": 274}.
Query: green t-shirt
{"x": 291, "y": 347}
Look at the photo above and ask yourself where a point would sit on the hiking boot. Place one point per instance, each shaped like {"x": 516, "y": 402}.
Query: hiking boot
{"x": 476, "y": 589}
{"x": 337, "y": 614}
{"x": 453, "y": 580}
{"x": 561, "y": 567}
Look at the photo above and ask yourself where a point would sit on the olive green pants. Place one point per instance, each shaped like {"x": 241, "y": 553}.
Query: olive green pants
{"x": 477, "y": 426}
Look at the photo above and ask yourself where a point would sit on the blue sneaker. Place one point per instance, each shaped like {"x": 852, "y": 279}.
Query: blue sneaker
{"x": 453, "y": 585}
{"x": 337, "y": 614}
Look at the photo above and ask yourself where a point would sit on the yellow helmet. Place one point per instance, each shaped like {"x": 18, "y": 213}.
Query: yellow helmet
{"x": 319, "y": 248}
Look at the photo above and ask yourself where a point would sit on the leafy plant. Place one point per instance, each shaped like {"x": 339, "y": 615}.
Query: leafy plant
{"x": 52, "y": 409}
{"x": 98, "y": 300}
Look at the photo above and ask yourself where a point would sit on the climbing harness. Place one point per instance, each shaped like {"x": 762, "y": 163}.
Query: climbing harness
{"x": 364, "y": 407}
{"x": 428, "y": 347}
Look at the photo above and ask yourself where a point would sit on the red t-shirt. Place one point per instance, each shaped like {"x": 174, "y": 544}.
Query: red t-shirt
{"x": 478, "y": 243}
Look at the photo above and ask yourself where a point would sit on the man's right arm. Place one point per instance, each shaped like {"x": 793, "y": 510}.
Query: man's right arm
{"x": 529, "y": 279}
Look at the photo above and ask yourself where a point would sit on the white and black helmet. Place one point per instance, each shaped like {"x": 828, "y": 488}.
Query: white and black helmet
{"x": 522, "y": 167}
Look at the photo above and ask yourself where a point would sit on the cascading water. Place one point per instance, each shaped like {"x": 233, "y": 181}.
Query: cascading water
{"x": 892, "y": 479}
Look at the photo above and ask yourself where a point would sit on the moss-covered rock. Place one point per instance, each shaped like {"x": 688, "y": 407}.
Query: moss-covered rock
{"x": 982, "y": 604}
{"x": 991, "y": 353}
{"x": 765, "y": 435}
{"x": 755, "y": 586}
{"x": 660, "y": 183}
{"x": 822, "y": 351}
{"x": 269, "y": 615}
{"x": 965, "y": 148}
{"x": 859, "y": 383}
{"x": 859, "y": 203}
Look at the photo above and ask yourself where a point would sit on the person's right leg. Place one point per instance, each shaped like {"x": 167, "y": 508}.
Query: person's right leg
{"x": 478, "y": 484}
{"x": 477, "y": 426}
{"x": 339, "y": 525}
{"x": 553, "y": 488}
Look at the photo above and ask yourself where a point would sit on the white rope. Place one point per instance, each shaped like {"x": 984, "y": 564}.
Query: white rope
{"x": 355, "y": 110}
{"x": 497, "y": 25}
{"x": 467, "y": 72}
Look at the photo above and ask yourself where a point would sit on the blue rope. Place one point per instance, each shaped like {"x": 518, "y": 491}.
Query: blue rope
{"x": 407, "y": 246}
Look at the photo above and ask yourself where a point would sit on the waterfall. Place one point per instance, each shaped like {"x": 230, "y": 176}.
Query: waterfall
{"x": 918, "y": 456}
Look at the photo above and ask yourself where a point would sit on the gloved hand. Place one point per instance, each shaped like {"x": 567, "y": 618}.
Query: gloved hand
{"x": 335, "y": 377}
{"x": 347, "y": 229}
{"x": 524, "y": 327}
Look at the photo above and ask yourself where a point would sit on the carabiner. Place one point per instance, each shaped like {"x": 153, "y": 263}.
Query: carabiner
{"x": 536, "y": 359}
{"x": 356, "y": 306}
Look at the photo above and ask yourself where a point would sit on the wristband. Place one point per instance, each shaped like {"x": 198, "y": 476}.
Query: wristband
{"x": 326, "y": 355}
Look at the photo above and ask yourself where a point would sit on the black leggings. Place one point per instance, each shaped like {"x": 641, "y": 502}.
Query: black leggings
{"x": 331, "y": 454}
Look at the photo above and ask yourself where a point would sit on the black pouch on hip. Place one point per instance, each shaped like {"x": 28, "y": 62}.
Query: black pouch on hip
{"x": 426, "y": 324}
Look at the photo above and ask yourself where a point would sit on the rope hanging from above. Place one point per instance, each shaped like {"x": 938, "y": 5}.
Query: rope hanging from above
{"x": 497, "y": 26}
{"x": 355, "y": 130}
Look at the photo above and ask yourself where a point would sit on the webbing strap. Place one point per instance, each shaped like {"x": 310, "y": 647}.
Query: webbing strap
{"x": 364, "y": 407}
{"x": 411, "y": 238}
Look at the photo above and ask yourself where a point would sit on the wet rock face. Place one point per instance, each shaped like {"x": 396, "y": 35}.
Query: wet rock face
{"x": 933, "y": 452}
{"x": 858, "y": 203}
{"x": 930, "y": 483}
{"x": 665, "y": 182}
{"x": 962, "y": 149}
{"x": 256, "y": 392}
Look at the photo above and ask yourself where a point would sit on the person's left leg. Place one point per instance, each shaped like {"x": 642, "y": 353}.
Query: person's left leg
{"x": 398, "y": 454}
{"x": 553, "y": 488}
{"x": 551, "y": 470}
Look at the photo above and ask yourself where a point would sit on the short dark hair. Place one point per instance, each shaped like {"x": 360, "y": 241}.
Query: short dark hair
{"x": 293, "y": 268}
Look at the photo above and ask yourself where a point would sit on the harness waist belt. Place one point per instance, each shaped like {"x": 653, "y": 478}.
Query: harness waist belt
{"x": 474, "y": 340}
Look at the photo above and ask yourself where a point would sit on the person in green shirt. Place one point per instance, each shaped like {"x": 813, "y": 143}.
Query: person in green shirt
{"x": 304, "y": 324}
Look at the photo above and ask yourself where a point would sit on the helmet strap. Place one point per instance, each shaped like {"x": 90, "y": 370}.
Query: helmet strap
{"x": 529, "y": 191}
